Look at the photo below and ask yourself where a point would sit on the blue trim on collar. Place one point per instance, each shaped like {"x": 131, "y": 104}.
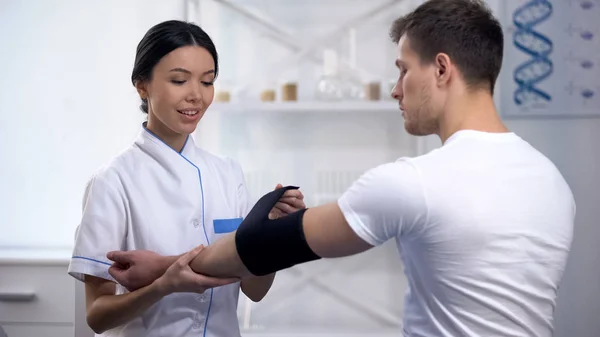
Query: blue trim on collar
{"x": 162, "y": 141}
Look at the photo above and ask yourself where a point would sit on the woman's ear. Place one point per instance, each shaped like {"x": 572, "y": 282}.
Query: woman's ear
{"x": 140, "y": 86}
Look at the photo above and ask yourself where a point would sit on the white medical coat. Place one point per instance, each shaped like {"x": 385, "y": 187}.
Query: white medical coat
{"x": 151, "y": 197}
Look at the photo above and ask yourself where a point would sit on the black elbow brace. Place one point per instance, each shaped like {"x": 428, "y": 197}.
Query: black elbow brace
{"x": 266, "y": 246}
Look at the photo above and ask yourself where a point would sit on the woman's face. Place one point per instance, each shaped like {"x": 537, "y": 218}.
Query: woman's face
{"x": 179, "y": 92}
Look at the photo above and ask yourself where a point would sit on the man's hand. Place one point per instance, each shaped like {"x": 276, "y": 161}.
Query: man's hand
{"x": 291, "y": 202}
{"x": 136, "y": 269}
{"x": 179, "y": 277}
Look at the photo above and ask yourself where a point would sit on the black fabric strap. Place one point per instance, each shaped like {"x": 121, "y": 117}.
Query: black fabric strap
{"x": 266, "y": 246}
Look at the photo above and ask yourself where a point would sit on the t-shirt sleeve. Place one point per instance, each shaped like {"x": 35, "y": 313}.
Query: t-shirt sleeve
{"x": 385, "y": 202}
{"x": 102, "y": 229}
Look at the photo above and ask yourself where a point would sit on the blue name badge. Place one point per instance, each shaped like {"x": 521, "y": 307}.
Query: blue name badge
{"x": 226, "y": 225}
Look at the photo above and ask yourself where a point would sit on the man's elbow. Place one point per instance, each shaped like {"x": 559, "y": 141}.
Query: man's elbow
{"x": 256, "y": 297}
{"x": 94, "y": 324}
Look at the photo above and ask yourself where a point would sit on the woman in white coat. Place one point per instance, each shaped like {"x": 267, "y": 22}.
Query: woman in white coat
{"x": 165, "y": 195}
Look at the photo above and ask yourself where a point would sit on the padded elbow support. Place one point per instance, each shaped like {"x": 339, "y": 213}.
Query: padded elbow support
{"x": 266, "y": 246}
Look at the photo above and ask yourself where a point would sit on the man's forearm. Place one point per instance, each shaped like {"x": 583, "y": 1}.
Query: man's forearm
{"x": 220, "y": 259}
{"x": 110, "y": 311}
{"x": 257, "y": 248}
{"x": 260, "y": 245}
{"x": 165, "y": 262}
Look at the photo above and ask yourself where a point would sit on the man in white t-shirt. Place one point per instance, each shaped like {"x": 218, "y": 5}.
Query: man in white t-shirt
{"x": 483, "y": 224}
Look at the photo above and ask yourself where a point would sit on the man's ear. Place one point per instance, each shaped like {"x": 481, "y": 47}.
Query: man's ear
{"x": 443, "y": 68}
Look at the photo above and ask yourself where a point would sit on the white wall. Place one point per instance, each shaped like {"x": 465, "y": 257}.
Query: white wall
{"x": 572, "y": 145}
{"x": 68, "y": 106}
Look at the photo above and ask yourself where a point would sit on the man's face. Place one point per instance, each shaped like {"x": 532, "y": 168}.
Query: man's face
{"x": 414, "y": 91}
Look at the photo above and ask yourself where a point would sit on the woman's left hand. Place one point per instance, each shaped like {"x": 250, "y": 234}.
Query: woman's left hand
{"x": 291, "y": 202}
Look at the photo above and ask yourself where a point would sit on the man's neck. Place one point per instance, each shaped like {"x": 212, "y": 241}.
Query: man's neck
{"x": 470, "y": 111}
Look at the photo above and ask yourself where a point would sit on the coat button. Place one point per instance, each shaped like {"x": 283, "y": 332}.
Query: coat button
{"x": 198, "y": 322}
{"x": 204, "y": 297}
{"x": 196, "y": 223}
{"x": 197, "y": 325}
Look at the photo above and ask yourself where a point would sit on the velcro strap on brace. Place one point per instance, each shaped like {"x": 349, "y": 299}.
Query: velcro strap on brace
{"x": 266, "y": 246}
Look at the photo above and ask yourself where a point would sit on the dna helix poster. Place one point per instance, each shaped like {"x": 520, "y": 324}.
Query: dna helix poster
{"x": 551, "y": 63}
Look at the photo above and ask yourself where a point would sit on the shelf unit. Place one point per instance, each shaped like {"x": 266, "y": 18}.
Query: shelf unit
{"x": 314, "y": 107}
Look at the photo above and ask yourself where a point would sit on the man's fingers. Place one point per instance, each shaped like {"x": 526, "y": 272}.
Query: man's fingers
{"x": 278, "y": 186}
{"x": 120, "y": 265}
{"x": 121, "y": 257}
{"x": 118, "y": 273}
{"x": 189, "y": 256}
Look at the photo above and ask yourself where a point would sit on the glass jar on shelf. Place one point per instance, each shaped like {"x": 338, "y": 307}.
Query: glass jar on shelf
{"x": 330, "y": 85}
{"x": 372, "y": 90}
{"x": 289, "y": 86}
{"x": 391, "y": 85}
{"x": 223, "y": 90}
{"x": 268, "y": 91}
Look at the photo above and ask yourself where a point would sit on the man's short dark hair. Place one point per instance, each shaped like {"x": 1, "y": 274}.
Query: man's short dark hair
{"x": 465, "y": 30}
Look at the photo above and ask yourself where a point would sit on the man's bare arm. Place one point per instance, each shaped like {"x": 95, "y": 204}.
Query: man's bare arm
{"x": 257, "y": 287}
{"x": 220, "y": 260}
{"x": 105, "y": 310}
{"x": 326, "y": 231}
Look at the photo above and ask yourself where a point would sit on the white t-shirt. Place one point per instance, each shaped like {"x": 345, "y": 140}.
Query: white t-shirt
{"x": 483, "y": 225}
{"x": 151, "y": 197}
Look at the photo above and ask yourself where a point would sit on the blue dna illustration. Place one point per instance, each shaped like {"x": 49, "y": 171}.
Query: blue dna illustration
{"x": 534, "y": 44}
{"x": 587, "y": 5}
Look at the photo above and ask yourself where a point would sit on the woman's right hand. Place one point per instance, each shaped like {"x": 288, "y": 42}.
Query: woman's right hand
{"x": 179, "y": 277}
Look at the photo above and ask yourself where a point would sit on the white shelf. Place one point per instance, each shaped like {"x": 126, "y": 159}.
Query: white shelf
{"x": 307, "y": 107}
{"x": 28, "y": 256}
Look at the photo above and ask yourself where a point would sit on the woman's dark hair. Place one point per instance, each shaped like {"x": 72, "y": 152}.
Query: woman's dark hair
{"x": 163, "y": 39}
